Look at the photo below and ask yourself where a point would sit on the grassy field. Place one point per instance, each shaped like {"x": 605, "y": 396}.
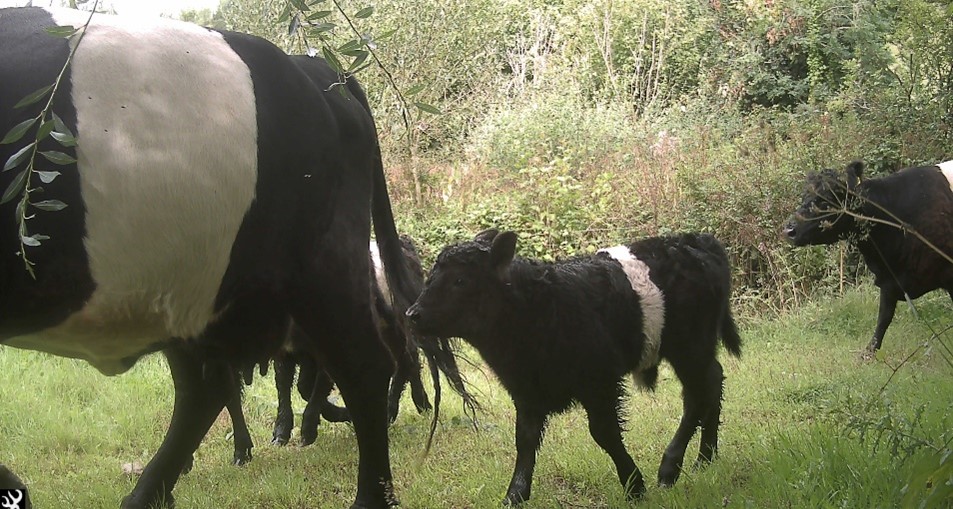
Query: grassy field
{"x": 806, "y": 424}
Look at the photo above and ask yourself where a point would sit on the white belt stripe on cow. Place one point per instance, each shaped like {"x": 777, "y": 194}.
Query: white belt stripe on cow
{"x": 947, "y": 169}
{"x": 651, "y": 300}
{"x": 168, "y": 164}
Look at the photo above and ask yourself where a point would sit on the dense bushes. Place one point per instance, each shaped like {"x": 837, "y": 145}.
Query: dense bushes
{"x": 584, "y": 123}
{"x": 716, "y": 169}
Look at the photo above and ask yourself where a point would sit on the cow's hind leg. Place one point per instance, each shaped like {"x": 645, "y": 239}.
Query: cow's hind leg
{"x": 337, "y": 315}
{"x": 693, "y": 410}
{"x": 711, "y": 419}
{"x": 201, "y": 390}
{"x": 604, "y": 427}
{"x": 285, "y": 367}
{"x": 240, "y": 433}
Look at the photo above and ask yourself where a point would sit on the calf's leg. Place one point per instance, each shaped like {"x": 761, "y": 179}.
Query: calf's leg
{"x": 311, "y": 418}
{"x": 693, "y": 409}
{"x": 201, "y": 390}
{"x": 408, "y": 371}
{"x": 529, "y": 434}
{"x": 417, "y": 392}
{"x": 605, "y": 430}
{"x": 711, "y": 418}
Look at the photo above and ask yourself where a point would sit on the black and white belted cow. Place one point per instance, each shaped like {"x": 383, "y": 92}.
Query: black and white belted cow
{"x": 889, "y": 218}
{"x": 218, "y": 189}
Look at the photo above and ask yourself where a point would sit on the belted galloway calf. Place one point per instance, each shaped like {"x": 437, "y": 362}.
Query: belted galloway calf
{"x": 568, "y": 332}
{"x": 902, "y": 224}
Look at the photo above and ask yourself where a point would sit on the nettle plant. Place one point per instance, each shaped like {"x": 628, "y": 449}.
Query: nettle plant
{"x": 34, "y": 166}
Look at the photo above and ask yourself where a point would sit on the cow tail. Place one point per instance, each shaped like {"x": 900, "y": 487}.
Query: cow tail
{"x": 404, "y": 290}
{"x": 729, "y": 333}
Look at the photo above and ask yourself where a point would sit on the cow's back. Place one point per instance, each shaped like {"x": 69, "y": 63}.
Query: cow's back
{"x": 920, "y": 197}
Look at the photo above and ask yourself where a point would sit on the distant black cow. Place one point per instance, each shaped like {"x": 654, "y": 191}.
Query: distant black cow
{"x": 219, "y": 187}
{"x": 562, "y": 333}
{"x": 884, "y": 216}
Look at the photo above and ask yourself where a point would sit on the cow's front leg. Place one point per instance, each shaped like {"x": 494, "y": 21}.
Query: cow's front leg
{"x": 200, "y": 395}
{"x": 888, "y": 306}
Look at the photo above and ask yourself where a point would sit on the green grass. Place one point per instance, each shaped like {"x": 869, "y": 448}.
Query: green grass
{"x": 800, "y": 428}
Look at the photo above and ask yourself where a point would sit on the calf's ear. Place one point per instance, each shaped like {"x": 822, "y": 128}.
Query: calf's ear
{"x": 501, "y": 254}
{"x": 855, "y": 172}
{"x": 486, "y": 236}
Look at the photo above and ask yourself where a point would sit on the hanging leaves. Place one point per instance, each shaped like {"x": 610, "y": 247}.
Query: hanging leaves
{"x": 56, "y": 157}
{"x": 49, "y": 205}
{"x": 34, "y": 97}
{"x": 18, "y": 157}
{"x": 18, "y": 131}
{"x": 17, "y": 185}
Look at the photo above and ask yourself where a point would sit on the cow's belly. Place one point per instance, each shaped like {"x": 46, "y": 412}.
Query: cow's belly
{"x": 112, "y": 346}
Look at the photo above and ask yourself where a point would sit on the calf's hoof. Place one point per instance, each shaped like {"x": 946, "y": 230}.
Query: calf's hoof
{"x": 635, "y": 488}
{"x": 515, "y": 499}
{"x": 242, "y": 456}
{"x": 308, "y": 438}
{"x": 424, "y": 407}
{"x": 281, "y": 436}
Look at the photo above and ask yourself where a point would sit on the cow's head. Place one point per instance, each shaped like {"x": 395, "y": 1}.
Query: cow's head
{"x": 821, "y": 218}
{"x": 465, "y": 291}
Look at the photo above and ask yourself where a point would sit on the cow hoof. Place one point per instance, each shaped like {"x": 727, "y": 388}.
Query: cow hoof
{"x": 280, "y": 440}
{"x": 132, "y": 501}
{"x": 391, "y": 503}
{"x": 424, "y": 407}
{"x": 308, "y": 439}
{"x": 188, "y": 465}
{"x": 666, "y": 479}
{"x": 241, "y": 457}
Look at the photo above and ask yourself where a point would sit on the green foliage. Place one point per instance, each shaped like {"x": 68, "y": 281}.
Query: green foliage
{"x": 546, "y": 127}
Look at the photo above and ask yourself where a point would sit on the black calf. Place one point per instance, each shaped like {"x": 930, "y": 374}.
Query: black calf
{"x": 568, "y": 332}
